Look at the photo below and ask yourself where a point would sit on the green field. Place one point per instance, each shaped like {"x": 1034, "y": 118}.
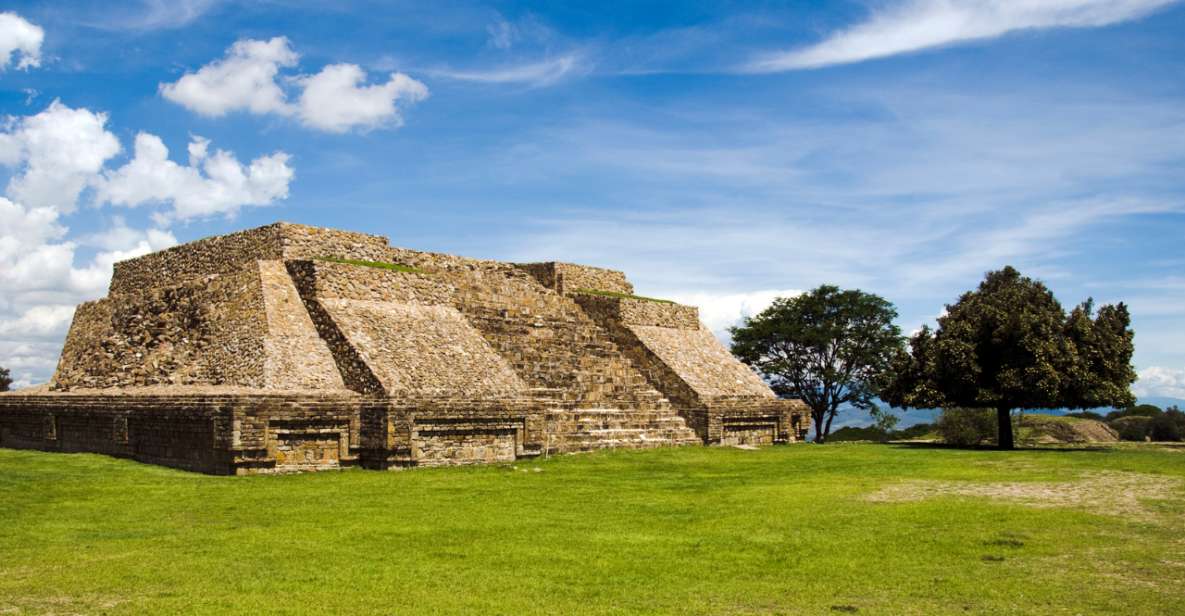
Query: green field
{"x": 868, "y": 529}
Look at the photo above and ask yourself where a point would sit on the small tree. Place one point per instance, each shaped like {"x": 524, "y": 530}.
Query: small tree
{"x": 1009, "y": 345}
{"x": 882, "y": 419}
{"x": 828, "y": 347}
{"x": 967, "y": 427}
{"x": 1168, "y": 426}
{"x": 5, "y": 379}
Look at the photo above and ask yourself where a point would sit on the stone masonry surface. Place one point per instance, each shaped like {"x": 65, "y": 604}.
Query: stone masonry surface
{"x": 253, "y": 352}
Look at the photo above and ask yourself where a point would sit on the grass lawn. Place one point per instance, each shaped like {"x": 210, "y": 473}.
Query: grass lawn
{"x": 868, "y": 529}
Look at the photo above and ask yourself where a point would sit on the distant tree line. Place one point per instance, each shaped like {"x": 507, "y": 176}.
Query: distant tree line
{"x": 1007, "y": 346}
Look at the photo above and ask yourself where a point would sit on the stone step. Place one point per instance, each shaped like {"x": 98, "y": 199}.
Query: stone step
{"x": 585, "y": 429}
{"x": 555, "y": 344}
{"x": 622, "y": 438}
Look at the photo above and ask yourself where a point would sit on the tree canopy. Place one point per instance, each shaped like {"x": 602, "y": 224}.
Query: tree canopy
{"x": 1009, "y": 345}
{"x": 5, "y": 379}
{"x": 829, "y": 348}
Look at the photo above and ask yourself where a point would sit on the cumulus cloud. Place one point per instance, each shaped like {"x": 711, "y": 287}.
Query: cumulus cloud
{"x": 333, "y": 100}
{"x": 21, "y": 38}
{"x": 39, "y": 321}
{"x": 37, "y": 262}
{"x": 913, "y": 25}
{"x": 211, "y": 184}
{"x": 43, "y": 281}
{"x": 336, "y": 99}
{"x": 56, "y": 152}
{"x": 1160, "y": 381}
{"x": 244, "y": 80}
{"x": 56, "y": 155}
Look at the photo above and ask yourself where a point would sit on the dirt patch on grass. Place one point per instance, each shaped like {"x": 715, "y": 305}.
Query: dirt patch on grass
{"x": 63, "y": 605}
{"x": 1107, "y": 493}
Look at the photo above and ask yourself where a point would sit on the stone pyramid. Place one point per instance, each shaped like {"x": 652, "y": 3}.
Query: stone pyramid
{"x": 289, "y": 347}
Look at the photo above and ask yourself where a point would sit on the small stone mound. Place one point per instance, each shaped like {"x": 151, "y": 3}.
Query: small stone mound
{"x": 1049, "y": 429}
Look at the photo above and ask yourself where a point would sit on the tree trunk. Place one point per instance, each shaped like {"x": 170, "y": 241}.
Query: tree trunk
{"x": 1004, "y": 428}
{"x": 827, "y": 429}
{"x": 818, "y": 417}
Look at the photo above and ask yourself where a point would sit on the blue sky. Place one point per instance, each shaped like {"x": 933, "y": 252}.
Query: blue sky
{"x": 719, "y": 153}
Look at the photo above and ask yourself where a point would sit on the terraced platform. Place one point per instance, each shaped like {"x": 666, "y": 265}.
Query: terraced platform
{"x": 288, "y": 348}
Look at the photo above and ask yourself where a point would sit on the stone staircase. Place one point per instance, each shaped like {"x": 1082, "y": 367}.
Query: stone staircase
{"x": 601, "y": 400}
{"x": 587, "y": 429}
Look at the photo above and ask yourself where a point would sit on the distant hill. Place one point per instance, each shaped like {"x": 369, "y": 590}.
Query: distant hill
{"x": 858, "y": 419}
{"x": 1163, "y": 401}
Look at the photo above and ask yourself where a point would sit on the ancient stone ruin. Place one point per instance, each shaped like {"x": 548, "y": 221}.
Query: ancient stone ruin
{"x": 289, "y": 348}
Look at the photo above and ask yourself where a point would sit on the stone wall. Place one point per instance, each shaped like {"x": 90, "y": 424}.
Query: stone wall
{"x": 247, "y": 328}
{"x": 205, "y": 331}
{"x": 295, "y": 355}
{"x": 422, "y": 351}
{"x": 402, "y": 433}
{"x": 403, "y": 327}
{"x": 212, "y": 431}
{"x": 569, "y": 278}
{"x": 630, "y": 311}
{"x": 225, "y": 254}
{"x": 328, "y": 280}
{"x": 698, "y": 358}
{"x": 443, "y": 262}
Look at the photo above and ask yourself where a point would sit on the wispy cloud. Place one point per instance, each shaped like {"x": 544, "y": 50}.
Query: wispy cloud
{"x": 151, "y": 14}
{"x": 914, "y": 197}
{"x": 537, "y": 73}
{"x": 914, "y": 25}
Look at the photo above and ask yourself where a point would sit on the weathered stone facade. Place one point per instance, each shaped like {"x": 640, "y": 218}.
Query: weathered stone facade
{"x": 288, "y": 348}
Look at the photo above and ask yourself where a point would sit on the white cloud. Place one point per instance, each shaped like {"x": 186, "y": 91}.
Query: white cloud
{"x": 30, "y": 362}
{"x": 56, "y": 152}
{"x": 42, "y": 284}
{"x": 121, "y": 237}
{"x": 333, "y": 101}
{"x": 56, "y": 155}
{"x": 501, "y": 34}
{"x": 21, "y": 228}
{"x": 209, "y": 185}
{"x": 37, "y": 262}
{"x": 542, "y": 73}
{"x": 1159, "y": 381}
{"x": 245, "y": 80}
{"x": 719, "y": 311}
{"x": 913, "y": 25}
{"x": 39, "y": 322}
{"x": 18, "y": 36}
{"x": 154, "y": 14}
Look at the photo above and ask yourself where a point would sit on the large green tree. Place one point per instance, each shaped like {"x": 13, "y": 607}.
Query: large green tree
{"x": 1009, "y": 345}
{"x": 5, "y": 379}
{"x": 829, "y": 348}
